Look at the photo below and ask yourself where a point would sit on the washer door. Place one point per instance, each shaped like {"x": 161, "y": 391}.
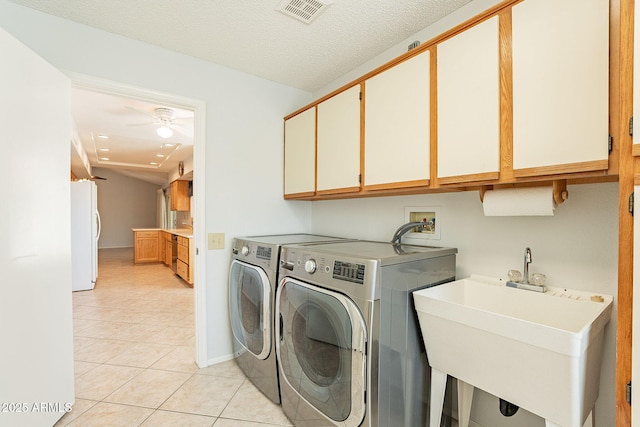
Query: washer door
{"x": 249, "y": 311}
{"x": 321, "y": 350}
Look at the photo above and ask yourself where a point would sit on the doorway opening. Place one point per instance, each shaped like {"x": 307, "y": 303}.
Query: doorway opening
{"x": 173, "y": 103}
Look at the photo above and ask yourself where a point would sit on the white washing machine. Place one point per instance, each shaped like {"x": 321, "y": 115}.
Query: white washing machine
{"x": 349, "y": 347}
{"x": 252, "y": 286}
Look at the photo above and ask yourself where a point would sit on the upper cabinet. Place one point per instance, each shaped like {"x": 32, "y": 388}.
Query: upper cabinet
{"x": 300, "y": 154}
{"x": 518, "y": 94}
{"x": 560, "y": 86}
{"x": 469, "y": 105}
{"x": 338, "y": 168}
{"x": 397, "y": 125}
{"x": 180, "y": 200}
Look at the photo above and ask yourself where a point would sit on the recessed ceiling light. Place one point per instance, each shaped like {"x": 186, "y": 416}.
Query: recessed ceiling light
{"x": 167, "y": 145}
{"x": 104, "y": 158}
{"x": 102, "y": 136}
{"x": 159, "y": 155}
{"x": 104, "y": 149}
{"x": 153, "y": 163}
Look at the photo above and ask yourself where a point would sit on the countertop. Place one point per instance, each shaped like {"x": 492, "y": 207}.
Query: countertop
{"x": 184, "y": 232}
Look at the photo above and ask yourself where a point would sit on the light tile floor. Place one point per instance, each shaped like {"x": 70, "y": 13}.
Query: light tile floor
{"x": 134, "y": 357}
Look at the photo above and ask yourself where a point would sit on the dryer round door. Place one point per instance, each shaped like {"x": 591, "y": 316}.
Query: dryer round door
{"x": 249, "y": 307}
{"x": 321, "y": 349}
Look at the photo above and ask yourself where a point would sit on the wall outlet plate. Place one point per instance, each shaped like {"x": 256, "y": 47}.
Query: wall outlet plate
{"x": 430, "y": 215}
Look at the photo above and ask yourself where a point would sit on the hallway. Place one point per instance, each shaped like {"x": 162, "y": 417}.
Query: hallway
{"x": 134, "y": 347}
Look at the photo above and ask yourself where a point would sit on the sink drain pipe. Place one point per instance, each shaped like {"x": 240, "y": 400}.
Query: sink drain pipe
{"x": 507, "y": 408}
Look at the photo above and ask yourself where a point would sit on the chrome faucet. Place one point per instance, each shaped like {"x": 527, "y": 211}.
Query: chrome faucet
{"x": 527, "y": 261}
{"x": 524, "y": 283}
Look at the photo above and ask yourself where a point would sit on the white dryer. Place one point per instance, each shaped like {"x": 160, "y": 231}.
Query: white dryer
{"x": 252, "y": 285}
{"x": 349, "y": 347}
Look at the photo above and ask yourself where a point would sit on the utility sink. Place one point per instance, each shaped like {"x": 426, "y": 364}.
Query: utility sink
{"x": 539, "y": 351}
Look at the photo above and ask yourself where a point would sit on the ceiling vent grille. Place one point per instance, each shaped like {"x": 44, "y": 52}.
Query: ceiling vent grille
{"x": 303, "y": 10}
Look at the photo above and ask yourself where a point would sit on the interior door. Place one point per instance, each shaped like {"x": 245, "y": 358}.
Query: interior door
{"x": 36, "y": 360}
{"x": 635, "y": 337}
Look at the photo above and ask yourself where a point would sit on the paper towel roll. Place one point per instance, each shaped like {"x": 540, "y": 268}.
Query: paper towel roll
{"x": 534, "y": 201}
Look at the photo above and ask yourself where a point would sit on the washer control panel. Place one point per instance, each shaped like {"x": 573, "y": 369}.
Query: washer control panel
{"x": 348, "y": 271}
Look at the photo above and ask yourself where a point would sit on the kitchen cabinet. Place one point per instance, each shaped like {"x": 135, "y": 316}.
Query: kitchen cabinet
{"x": 180, "y": 200}
{"x": 146, "y": 246}
{"x": 560, "y": 86}
{"x": 468, "y": 80}
{"x": 161, "y": 246}
{"x": 397, "y": 125}
{"x": 184, "y": 261}
{"x": 168, "y": 249}
{"x": 338, "y": 166}
{"x": 300, "y": 154}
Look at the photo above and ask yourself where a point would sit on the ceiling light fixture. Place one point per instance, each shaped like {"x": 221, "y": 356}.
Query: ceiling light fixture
{"x": 102, "y": 136}
{"x": 104, "y": 149}
{"x": 164, "y": 132}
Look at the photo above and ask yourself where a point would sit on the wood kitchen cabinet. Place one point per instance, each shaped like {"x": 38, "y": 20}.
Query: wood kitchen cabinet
{"x": 185, "y": 259}
{"x": 560, "y": 86}
{"x": 397, "y": 125}
{"x": 161, "y": 246}
{"x": 338, "y": 168}
{"x": 168, "y": 251}
{"x": 300, "y": 154}
{"x": 180, "y": 200}
{"x": 468, "y": 76}
{"x": 146, "y": 246}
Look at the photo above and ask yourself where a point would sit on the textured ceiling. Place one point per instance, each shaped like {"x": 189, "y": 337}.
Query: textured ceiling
{"x": 254, "y": 37}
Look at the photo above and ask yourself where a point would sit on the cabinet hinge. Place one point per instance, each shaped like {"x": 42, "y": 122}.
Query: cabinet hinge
{"x": 631, "y": 126}
{"x": 631, "y": 200}
{"x": 360, "y": 96}
{"x": 628, "y": 393}
{"x": 610, "y": 144}
{"x": 360, "y": 179}
{"x": 197, "y": 251}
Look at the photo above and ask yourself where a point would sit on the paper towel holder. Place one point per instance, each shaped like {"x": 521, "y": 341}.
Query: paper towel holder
{"x": 560, "y": 193}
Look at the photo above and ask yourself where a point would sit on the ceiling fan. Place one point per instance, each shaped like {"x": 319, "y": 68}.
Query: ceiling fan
{"x": 165, "y": 119}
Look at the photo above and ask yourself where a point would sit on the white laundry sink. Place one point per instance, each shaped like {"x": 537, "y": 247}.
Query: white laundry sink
{"x": 540, "y": 351}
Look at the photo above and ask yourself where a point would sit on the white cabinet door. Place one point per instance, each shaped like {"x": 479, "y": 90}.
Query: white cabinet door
{"x": 397, "y": 125}
{"x": 469, "y": 105}
{"x": 36, "y": 365}
{"x": 300, "y": 153}
{"x": 560, "y": 86}
{"x": 339, "y": 142}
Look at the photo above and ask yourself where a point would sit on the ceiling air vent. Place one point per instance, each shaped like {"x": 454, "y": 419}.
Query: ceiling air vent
{"x": 303, "y": 10}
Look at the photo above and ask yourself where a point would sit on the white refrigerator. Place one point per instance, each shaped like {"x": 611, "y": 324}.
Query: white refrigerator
{"x": 85, "y": 231}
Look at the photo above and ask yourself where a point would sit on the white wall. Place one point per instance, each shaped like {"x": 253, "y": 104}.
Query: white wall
{"x": 244, "y": 133}
{"x": 124, "y": 203}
